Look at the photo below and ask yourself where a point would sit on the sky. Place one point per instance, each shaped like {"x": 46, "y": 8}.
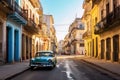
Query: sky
{"x": 64, "y": 13}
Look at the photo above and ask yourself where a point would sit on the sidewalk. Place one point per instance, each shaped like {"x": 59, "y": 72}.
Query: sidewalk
{"x": 9, "y": 70}
{"x": 111, "y": 67}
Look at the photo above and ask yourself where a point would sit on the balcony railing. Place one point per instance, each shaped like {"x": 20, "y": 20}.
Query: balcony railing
{"x": 74, "y": 28}
{"x": 113, "y": 16}
{"x": 32, "y": 27}
{"x": 95, "y": 2}
{"x": 87, "y": 34}
{"x": 31, "y": 22}
{"x": 99, "y": 27}
{"x": 13, "y": 6}
{"x": 110, "y": 21}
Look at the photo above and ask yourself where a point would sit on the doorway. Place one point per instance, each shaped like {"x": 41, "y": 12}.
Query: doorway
{"x": 115, "y": 48}
{"x": 102, "y": 48}
{"x": 9, "y": 47}
{"x": 108, "y": 49}
{"x": 16, "y": 45}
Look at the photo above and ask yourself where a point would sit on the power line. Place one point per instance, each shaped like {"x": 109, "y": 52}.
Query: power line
{"x": 61, "y": 24}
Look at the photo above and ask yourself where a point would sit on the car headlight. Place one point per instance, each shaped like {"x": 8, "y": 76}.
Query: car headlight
{"x": 31, "y": 61}
{"x": 50, "y": 61}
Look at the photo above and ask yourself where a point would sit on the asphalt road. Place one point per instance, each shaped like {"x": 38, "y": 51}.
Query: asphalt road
{"x": 66, "y": 69}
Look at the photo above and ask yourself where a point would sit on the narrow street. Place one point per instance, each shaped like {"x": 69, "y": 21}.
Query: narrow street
{"x": 83, "y": 34}
{"x": 66, "y": 69}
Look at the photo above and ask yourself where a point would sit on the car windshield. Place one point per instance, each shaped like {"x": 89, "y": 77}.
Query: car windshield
{"x": 46, "y": 54}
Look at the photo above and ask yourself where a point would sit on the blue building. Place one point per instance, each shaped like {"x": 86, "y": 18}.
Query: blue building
{"x": 15, "y": 20}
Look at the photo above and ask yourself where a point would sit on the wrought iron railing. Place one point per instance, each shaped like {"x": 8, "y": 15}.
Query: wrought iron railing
{"x": 31, "y": 22}
{"x": 87, "y": 34}
{"x": 111, "y": 20}
{"x": 15, "y": 7}
{"x": 113, "y": 16}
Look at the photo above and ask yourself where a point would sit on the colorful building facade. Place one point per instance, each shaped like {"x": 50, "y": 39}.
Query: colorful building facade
{"x": 76, "y": 31}
{"x": 108, "y": 29}
{"x": 73, "y": 41}
{"x": 102, "y": 22}
{"x": 90, "y": 18}
{"x": 14, "y": 23}
{"x": 31, "y": 39}
{"x": 50, "y": 37}
{"x": 3, "y": 18}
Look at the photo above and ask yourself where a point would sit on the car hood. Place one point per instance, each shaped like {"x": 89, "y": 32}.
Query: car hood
{"x": 42, "y": 59}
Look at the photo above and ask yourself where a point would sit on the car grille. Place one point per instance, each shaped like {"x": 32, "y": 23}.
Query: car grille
{"x": 41, "y": 63}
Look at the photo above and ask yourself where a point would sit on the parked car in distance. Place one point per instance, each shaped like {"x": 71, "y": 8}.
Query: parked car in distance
{"x": 43, "y": 59}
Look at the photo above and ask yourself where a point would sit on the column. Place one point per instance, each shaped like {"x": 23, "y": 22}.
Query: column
{"x": 24, "y": 47}
{"x": 17, "y": 45}
{"x": 79, "y": 51}
{"x": 111, "y": 5}
{"x": 28, "y": 48}
{"x": 31, "y": 48}
{"x": 10, "y": 46}
{"x": 119, "y": 49}
{"x": 49, "y": 44}
{"x": 111, "y": 49}
{"x": 2, "y": 41}
{"x": 88, "y": 47}
{"x": 105, "y": 50}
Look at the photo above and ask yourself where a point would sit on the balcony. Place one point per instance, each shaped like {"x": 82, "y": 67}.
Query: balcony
{"x": 4, "y": 4}
{"x": 95, "y": 2}
{"x": 100, "y": 27}
{"x": 31, "y": 27}
{"x": 35, "y": 3}
{"x": 73, "y": 29}
{"x": 73, "y": 41}
{"x": 66, "y": 44}
{"x": 14, "y": 11}
{"x": 87, "y": 35}
{"x": 112, "y": 20}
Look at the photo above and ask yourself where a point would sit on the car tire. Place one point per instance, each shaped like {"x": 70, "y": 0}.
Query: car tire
{"x": 54, "y": 65}
{"x": 31, "y": 67}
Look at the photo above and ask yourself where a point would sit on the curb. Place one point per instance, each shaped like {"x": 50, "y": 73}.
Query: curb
{"x": 113, "y": 73}
{"x": 14, "y": 75}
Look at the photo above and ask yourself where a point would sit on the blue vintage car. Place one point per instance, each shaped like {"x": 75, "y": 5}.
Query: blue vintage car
{"x": 43, "y": 59}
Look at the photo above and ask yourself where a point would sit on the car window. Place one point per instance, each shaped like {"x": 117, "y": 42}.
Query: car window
{"x": 38, "y": 54}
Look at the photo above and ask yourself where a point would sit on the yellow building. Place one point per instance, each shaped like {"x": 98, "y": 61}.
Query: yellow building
{"x": 103, "y": 18}
{"x": 31, "y": 41}
{"x": 109, "y": 29}
{"x": 50, "y": 37}
{"x": 87, "y": 6}
{"x": 90, "y": 18}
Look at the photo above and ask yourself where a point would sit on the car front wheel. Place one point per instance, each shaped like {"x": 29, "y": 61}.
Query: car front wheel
{"x": 31, "y": 67}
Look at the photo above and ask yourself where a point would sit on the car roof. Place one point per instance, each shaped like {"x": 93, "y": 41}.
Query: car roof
{"x": 46, "y": 51}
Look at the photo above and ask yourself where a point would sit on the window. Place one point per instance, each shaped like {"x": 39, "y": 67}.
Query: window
{"x": 95, "y": 20}
{"x": 17, "y": 1}
{"x": 81, "y": 27}
{"x": 30, "y": 13}
{"x": 81, "y": 44}
{"x": 107, "y": 9}
{"x": 114, "y": 4}
{"x": 102, "y": 12}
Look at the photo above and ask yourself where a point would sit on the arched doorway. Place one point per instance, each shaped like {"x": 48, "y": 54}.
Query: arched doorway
{"x": 93, "y": 54}
{"x": 9, "y": 45}
{"x": 115, "y": 48}
{"x": 16, "y": 45}
{"x": 96, "y": 47}
{"x": 108, "y": 48}
{"x": 102, "y": 48}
